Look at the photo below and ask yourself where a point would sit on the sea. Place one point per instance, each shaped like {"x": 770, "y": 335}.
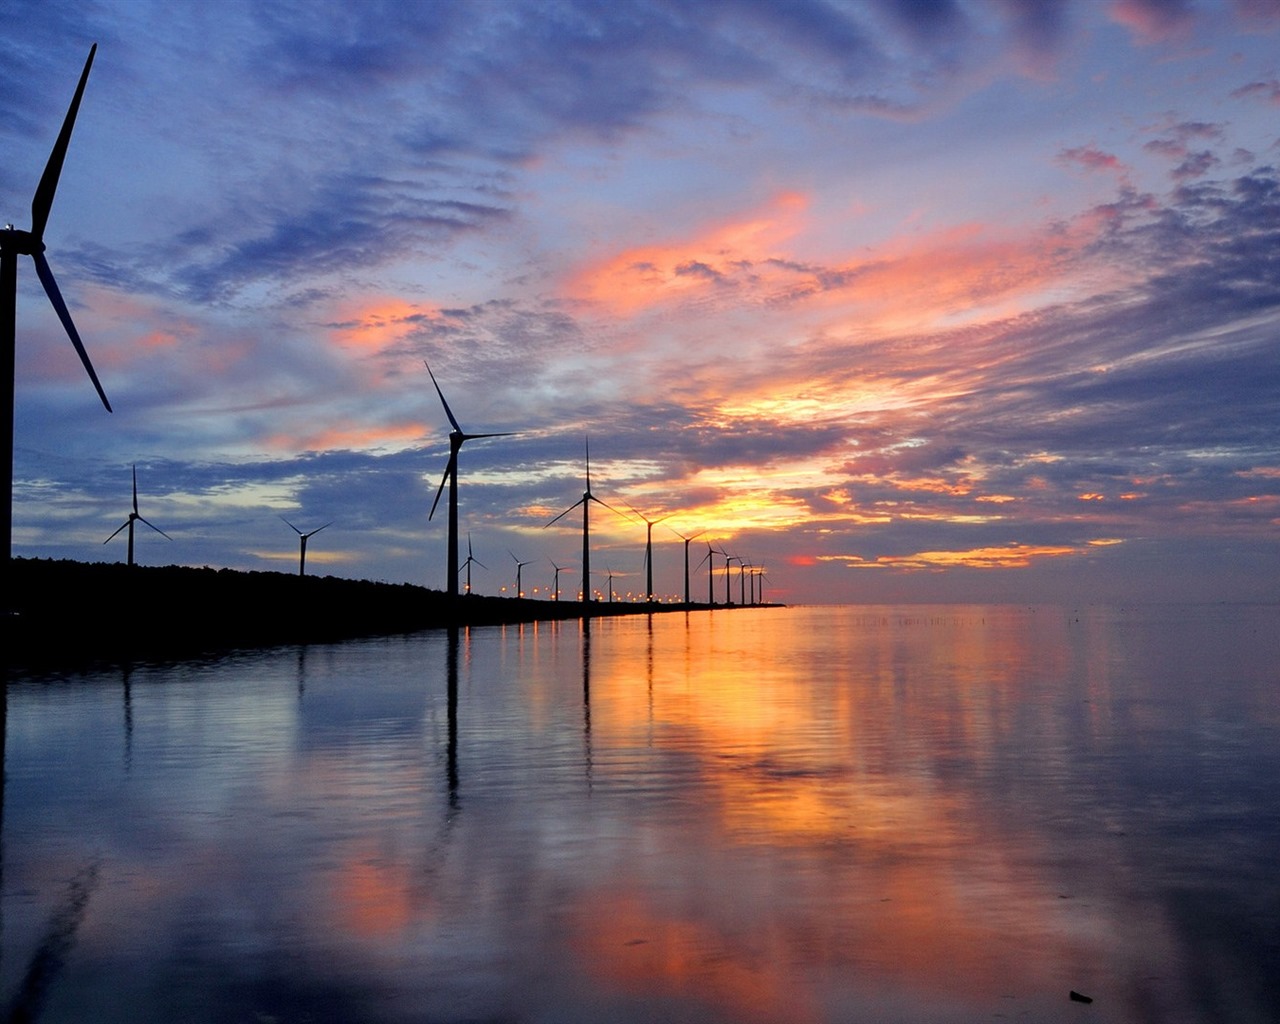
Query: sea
{"x": 919, "y": 814}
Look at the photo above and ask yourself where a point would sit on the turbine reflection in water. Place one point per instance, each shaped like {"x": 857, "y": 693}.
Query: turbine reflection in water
{"x": 759, "y": 815}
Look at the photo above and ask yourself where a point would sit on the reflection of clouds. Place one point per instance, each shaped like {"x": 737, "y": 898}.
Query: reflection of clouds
{"x": 807, "y": 815}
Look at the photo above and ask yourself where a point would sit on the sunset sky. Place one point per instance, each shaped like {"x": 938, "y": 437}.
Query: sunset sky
{"x": 897, "y": 299}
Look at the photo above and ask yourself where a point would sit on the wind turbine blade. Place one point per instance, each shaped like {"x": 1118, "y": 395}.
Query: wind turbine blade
{"x": 705, "y": 559}
{"x": 319, "y": 528}
{"x": 55, "y": 297}
{"x": 612, "y": 509}
{"x": 135, "y": 490}
{"x": 114, "y": 535}
{"x": 447, "y": 411}
{"x": 479, "y": 563}
{"x": 587, "y": 444}
{"x": 156, "y": 528}
{"x": 565, "y": 513}
{"x": 443, "y": 480}
{"x": 476, "y": 437}
{"x": 291, "y": 526}
{"x": 42, "y": 202}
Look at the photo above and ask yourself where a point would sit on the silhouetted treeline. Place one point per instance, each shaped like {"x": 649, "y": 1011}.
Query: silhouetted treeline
{"x": 80, "y": 612}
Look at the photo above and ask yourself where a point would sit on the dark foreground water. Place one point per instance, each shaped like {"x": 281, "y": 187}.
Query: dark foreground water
{"x": 826, "y": 814}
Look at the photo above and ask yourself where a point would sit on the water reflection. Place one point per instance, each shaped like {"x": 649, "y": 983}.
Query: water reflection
{"x": 756, "y": 815}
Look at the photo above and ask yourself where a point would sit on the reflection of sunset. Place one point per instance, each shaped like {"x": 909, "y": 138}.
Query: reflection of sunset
{"x": 370, "y": 897}
{"x": 793, "y": 767}
{"x": 630, "y": 944}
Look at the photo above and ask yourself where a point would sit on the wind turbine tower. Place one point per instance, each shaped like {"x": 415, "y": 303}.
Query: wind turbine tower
{"x": 648, "y": 550}
{"x": 691, "y": 537}
{"x": 519, "y": 568}
{"x": 456, "y": 440}
{"x": 585, "y": 501}
{"x": 302, "y": 543}
{"x": 467, "y": 564}
{"x": 15, "y": 243}
{"x": 133, "y": 518}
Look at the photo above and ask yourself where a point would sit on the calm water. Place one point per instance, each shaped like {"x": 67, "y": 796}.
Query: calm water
{"x": 826, "y": 814}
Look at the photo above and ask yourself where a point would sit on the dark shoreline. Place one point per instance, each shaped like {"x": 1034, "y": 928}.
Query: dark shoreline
{"x": 71, "y": 614}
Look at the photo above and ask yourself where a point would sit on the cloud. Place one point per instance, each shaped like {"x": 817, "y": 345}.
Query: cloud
{"x": 1153, "y": 21}
{"x": 1092, "y": 159}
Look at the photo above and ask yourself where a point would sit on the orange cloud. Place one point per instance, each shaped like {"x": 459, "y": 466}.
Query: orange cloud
{"x": 647, "y": 275}
{"x": 349, "y": 436}
{"x": 905, "y": 283}
{"x": 1011, "y": 556}
{"x": 374, "y": 323}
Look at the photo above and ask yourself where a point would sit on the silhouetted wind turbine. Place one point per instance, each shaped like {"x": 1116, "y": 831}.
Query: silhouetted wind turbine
{"x": 648, "y": 549}
{"x": 686, "y": 540}
{"x": 711, "y": 573}
{"x": 519, "y": 566}
{"x": 456, "y": 439}
{"x": 555, "y": 588}
{"x": 728, "y": 595}
{"x": 610, "y": 584}
{"x": 585, "y": 501}
{"x": 743, "y": 564}
{"x": 302, "y": 543}
{"x": 133, "y": 516}
{"x": 15, "y": 243}
{"x": 467, "y": 564}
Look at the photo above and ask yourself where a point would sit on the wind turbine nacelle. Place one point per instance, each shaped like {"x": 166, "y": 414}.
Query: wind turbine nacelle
{"x": 23, "y": 243}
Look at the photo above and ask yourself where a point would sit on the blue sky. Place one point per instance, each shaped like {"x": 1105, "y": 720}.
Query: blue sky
{"x": 896, "y": 300}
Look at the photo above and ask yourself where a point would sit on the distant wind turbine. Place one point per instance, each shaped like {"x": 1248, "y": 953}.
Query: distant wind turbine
{"x": 711, "y": 573}
{"x": 456, "y": 439}
{"x": 135, "y": 517}
{"x": 728, "y": 594}
{"x": 467, "y": 564}
{"x": 519, "y": 566}
{"x": 585, "y": 501}
{"x": 648, "y": 548}
{"x": 555, "y": 588}
{"x": 687, "y": 540}
{"x": 302, "y": 543}
{"x": 15, "y": 243}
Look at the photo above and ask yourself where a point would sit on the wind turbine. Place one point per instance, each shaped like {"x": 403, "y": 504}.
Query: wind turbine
{"x": 585, "y": 501}
{"x": 134, "y": 516}
{"x": 743, "y": 564}
{"x": 711, "y": 574}
{"x": 610, "y": 583}
{"x": 691, "y": 537}
{"x": 467, "y": 564}
{"x": 728, "y": 596}
{"x": 555, "y": 588}
{"x": 302, "y": 543}
{"x": 456, "y": 440}
{"x": 648, "y": 549}
{"x": 519, "y": 566}
{"x": 15, "y": 243}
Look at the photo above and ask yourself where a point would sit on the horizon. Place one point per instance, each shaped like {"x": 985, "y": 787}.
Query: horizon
{"x": 964, "y": 303}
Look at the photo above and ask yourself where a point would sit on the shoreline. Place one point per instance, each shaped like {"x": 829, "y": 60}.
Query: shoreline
{"x": 74, "y": 614}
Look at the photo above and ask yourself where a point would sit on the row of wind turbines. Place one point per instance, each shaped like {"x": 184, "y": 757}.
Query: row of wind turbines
{"x": 458, "y": 437}
{"x": 15, "y": 242}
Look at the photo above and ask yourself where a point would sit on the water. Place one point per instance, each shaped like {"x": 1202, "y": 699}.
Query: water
{"x": 801, "y": 815}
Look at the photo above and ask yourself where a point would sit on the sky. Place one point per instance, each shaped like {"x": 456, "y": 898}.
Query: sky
{"x": 894, "y": 300}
